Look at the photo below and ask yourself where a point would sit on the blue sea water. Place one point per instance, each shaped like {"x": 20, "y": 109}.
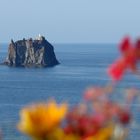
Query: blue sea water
{"x": 82, "y": 65}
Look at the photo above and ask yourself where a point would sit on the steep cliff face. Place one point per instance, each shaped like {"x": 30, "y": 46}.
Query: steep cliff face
{"x": 38, "y": 53}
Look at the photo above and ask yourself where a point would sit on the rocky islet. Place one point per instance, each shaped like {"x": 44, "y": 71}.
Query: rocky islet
{"x": 31, "y": 53}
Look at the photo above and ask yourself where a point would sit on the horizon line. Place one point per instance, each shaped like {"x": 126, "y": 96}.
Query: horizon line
{"x": 73, "y": 42}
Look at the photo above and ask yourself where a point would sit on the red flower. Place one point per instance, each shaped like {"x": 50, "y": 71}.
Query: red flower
{"x": 137, "y": 49}
{"x": 117, "y": 69}
{"x": 124, "y": 117}
{"x": 125, "y": 45}
{"x": 128, "y": 59}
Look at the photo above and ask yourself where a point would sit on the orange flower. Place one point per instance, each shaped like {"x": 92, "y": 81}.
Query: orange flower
{"x": 40, "y": 119}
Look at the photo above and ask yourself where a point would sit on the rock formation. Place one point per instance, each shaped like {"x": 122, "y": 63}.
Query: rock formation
{"x": 36, "y": 53}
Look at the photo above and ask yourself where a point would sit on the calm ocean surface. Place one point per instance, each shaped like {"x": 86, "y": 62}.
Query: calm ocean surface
{"x": 82, "y": 65}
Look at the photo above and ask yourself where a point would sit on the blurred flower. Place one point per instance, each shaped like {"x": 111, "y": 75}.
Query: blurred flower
{"x": 120, "y": 133}
{"x": 128, "y": 60}
{"x": 117, "y": 69}
{"x": 137, "y": 50}
{"x": 95, "y": 119}
{"x": 125, "y": 45}
{"x": 40, "y": 119}
{"x": 94, "y": 93}
{"x": 105, "y": 133}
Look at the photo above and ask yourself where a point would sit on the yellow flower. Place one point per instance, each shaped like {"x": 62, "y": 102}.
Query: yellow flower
{"x": 71, "y": 137}
{"x": 40, "y": 119}
{"x": 104, "y": 134}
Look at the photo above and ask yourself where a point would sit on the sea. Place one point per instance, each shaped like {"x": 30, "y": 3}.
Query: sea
{"x": 81, "y": 66}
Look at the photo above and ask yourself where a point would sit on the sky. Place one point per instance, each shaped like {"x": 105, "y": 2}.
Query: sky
{"x": 70, "y": 21}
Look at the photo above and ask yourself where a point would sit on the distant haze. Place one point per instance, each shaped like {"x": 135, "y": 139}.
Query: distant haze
{"x": 70, "y": 21}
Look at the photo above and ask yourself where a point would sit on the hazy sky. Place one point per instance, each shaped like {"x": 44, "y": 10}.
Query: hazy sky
{"x": 64, "y": 21}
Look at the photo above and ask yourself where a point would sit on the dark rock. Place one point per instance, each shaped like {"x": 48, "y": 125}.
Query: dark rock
{"x": 36, "y": 53}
